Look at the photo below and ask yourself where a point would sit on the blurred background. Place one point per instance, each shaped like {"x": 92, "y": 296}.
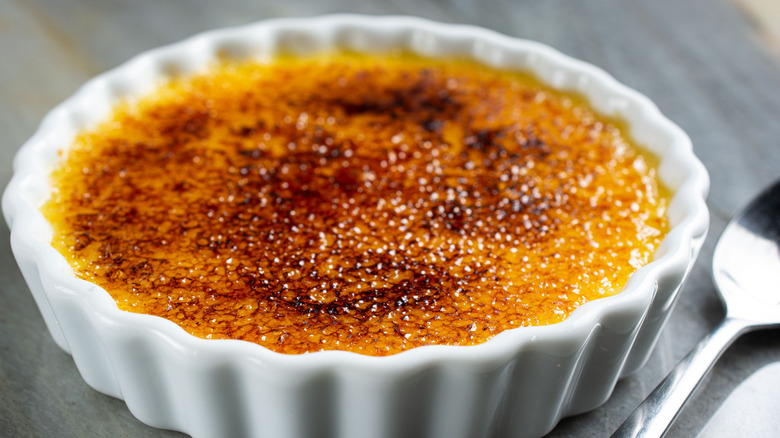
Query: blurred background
{"x": 712, "y": 66}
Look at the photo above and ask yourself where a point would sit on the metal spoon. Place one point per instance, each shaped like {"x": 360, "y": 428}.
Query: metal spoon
{"x": 746, "y": 270}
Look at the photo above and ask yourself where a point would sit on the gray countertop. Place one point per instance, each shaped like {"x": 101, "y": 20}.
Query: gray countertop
{"x": 704, "y": 62}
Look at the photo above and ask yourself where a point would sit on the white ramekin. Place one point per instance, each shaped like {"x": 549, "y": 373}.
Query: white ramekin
{"x": 519, "y": 384}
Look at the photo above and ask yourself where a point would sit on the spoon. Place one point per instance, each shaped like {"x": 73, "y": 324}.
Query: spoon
{"x": 746, "y": 270}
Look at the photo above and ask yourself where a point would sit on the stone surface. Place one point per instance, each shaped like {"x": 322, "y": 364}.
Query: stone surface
{"x": 751, "y": 409}
{"x": 703, "y": 62}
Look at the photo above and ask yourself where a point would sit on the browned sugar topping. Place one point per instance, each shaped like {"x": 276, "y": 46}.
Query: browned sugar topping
{"x": 367, "y": 204}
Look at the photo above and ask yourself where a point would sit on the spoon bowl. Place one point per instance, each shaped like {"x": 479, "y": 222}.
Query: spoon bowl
{"x": 746, "y": 270}
{"x": 746, "y": 263}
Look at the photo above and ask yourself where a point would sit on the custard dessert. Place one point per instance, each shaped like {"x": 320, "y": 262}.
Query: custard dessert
{"x": 370, "y": 204}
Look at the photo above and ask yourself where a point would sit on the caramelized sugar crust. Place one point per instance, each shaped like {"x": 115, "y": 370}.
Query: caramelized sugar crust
{"x": 356, "y": 203}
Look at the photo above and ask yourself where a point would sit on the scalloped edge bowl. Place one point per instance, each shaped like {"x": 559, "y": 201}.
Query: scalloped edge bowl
{"x": 520, "y": 383}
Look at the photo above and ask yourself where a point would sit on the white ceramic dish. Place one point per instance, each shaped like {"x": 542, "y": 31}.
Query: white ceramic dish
{"x": 519, "y": 384}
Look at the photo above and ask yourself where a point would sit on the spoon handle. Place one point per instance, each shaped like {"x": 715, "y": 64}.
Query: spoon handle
{"x": 654, "y": 416}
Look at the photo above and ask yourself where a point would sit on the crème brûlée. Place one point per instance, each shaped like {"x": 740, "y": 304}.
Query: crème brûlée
{"x": 365, "y": 203}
